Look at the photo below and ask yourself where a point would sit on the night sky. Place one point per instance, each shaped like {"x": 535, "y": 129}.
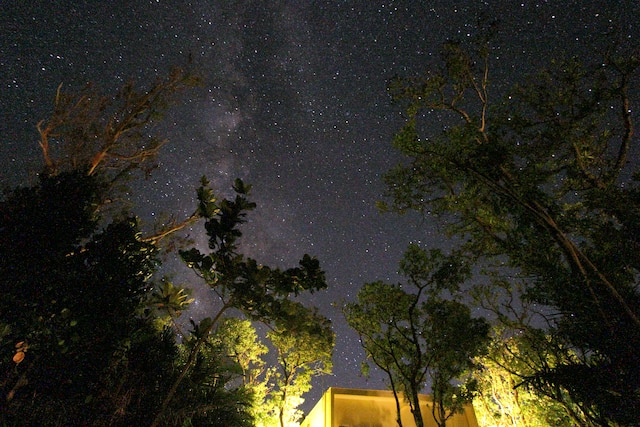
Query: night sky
{"x": 293, "y": 102}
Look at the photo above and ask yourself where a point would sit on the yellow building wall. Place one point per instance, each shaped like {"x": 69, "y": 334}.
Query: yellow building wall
{"x": 346, "y": 407}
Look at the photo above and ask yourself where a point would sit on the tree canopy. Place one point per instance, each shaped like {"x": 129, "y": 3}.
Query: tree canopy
{"x": 540, "y": 190}
{"x": 303, "y": 340}
{"x": 88, "y": 334}
{"x": 259, "y": 292}
{"x": 420, "y": 335}
{"x": 41, "y": 253}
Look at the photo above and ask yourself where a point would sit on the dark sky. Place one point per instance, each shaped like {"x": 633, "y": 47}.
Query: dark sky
{"x": 294, "y": 102}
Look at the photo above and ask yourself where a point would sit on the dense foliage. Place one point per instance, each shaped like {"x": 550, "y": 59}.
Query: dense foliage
{"x": 258, "y": 292}
{"x": 502, "y": 401}
{"x": 70, "y": 292}
{"x": 88, "y": 336}
{"x": 540, "y": 191}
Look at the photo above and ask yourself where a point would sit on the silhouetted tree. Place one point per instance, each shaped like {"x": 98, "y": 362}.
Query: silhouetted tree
{"x": 70, "y": 295}
{"x": 80, "y": 340}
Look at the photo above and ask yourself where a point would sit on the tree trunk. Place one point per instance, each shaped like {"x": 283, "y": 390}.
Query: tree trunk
{"x": 395, "y": 396}
{"x": 414, "y": 401}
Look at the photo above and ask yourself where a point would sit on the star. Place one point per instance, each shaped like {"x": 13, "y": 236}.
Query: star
{"x": 293, "y": 102}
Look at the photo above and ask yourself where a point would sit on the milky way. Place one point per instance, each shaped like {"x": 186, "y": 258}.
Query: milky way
{"x": 293, "y": 102}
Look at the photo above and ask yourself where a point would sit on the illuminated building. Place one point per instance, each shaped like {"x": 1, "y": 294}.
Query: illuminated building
{"x": 348, "y": 407}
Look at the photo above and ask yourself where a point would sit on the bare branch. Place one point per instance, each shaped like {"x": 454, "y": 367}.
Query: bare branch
{"x": 171, "y": 229}
{"x": 97, "y": 133}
